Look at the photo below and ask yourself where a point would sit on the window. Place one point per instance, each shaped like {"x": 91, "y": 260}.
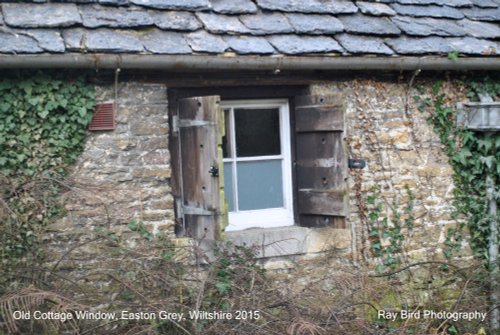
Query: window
{"x": 260, "y": 157}
{"x": 257, "y": 164}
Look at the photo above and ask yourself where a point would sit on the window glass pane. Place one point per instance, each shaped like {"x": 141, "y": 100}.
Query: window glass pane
{"x": 226, "y": 139}
{"x": 260, "y": 185}
{"x": 257, "y": 132}
{"x": 228, "y": 185}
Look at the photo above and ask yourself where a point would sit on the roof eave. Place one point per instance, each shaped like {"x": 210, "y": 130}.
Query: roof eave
{"x": 249, "y": 63}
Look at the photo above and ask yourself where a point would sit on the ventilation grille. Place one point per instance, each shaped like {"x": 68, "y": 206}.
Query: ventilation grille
{"x": 104, "y": 117}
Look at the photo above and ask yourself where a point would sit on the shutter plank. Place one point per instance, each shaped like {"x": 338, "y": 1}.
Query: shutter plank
{"x": 321, "y": 161}
{"x": 200, "y": 142}
{"x": 318, "y": 113}
{"x": 322, "y": 202}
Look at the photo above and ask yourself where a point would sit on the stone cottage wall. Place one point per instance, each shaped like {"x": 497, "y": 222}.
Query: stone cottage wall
{"x": 124, "y": 175}
{"x": 385, "y": 128}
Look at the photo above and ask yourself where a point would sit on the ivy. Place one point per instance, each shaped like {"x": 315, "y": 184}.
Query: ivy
{"x": 43, "y": 121}
{"x": 386, "y": 234}
{"x": 473, "y": 156}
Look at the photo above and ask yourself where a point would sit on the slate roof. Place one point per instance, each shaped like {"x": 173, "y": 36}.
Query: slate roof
{"x": 252, "y": 27}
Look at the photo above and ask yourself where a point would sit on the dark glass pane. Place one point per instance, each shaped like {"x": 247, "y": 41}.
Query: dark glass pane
{"x": 257, "y": 132}
{"x": 226, "y": 139}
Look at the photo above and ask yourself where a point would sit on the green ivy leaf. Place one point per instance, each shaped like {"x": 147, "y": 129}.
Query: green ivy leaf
{"x": 43, "y": 114}
{"x": 488, "y": 161}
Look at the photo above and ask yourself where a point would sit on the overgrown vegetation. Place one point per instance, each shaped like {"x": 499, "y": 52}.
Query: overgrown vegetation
{"x": 473, "y": 156}
{"x": 43, "y": 120}
{"x": 387, "y": 235}
{"x": 141, "y": 272}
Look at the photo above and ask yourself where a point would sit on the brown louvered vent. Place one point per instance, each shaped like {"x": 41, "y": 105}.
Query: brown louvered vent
{"x": 104, "y": 117}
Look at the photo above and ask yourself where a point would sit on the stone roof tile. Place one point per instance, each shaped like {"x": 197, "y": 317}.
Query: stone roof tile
{"x": 293, "y": 44}
{"x": 428, "y": 26}
{"x": 453, "y": 3}
{"x": 309, "y": 6}
{"x": 174, "y": 4}
{"x": 163, "y": 42}
{"x": 220, "y": 24}
{"x": 485, "y": 3}
{"x": 201, "y": 41}
{"x": 234, "y": 6}
{"x": 482, "y": 14}
{"x": 175, "y": 20}
{"x": 249, "y": 45}
{"x": 264, "y": 24}
{"x": 428, "y": 11}
{"x": 480, "y": 29}
{"x": 369, "y": 25}
{"x": 74, "y": 39}
{"x": 363, "y": 44}
{"x": 116, "y": 41}
{"x": 114, "y": 2}
{"x": 123, "y": 17}
{"x": 15, "y": 43}
{"x": 315, "y": 23}
{"x": 49, "y": 40}
{"x": 416, "y": 46}
{"x": 374, "y": 8}
{"x": 40, "y": 15}
{"x": 473, "y": 46}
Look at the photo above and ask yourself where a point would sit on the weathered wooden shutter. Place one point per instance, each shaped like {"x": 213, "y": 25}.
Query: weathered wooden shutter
{"x": 199, "y": 126}
{"x": 321, "y": 161}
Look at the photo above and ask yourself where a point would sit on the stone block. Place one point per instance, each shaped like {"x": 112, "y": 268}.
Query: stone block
{"x": 145, "y": 128}
{"x": 157, "y": 173}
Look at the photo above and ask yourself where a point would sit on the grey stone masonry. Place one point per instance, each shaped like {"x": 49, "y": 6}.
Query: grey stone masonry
{"x": 373, "y": 8}
{"x": 362, "y": 44}
{"x": 428, "y": 11}
{"x": 15, "y": 43}
{"x": 234, "y": 6}
{"x": 413, "y": 46}
{"x": 484, "y": 14}
{"x": 369, "y": 24}
{"x": 126, "y": 172}
{"x": 204, "y": 42}
{"x": 249, "y": 45}
{"x": 265, "y": 24}
{"x": 163, "y": 42}
{"x": 480, "y": 29}
{"x": 42, "y": 15}
{"x": 48, "y": 40}
{"x": 217, "y": 26}
{"x": 428, "y": 26}
{"x": 216, "y": 23}
{"x": 290, "y": 44}
{"x": 174, "y": 20}
{"x": 453, "y": 3}
{"x": 315, "y": 24}
{"x": 174, "y": 4}
{"x": 310, "y": 6}
{"x": 112, "y": 41}
{"x": 123, "y": 17}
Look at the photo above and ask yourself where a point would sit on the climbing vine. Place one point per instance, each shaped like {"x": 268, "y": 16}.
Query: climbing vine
{"x": 43, "y": 120}
{"x": 473, "y": 156}
{"x": 386, "y": 234}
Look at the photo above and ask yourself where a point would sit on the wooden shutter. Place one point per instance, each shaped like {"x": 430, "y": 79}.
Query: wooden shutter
{"x": 198, "y": 128}
{"x": 321, "y": 161}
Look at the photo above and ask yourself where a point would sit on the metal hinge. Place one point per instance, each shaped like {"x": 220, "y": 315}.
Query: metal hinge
{"x": 183, "y": 123}
{"x": 189, "y": 210}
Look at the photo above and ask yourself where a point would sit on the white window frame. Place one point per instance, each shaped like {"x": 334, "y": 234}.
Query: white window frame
{"x": 273, "y": 217}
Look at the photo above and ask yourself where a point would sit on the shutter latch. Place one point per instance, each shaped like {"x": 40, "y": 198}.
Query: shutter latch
{"x": 214, "y": 171}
